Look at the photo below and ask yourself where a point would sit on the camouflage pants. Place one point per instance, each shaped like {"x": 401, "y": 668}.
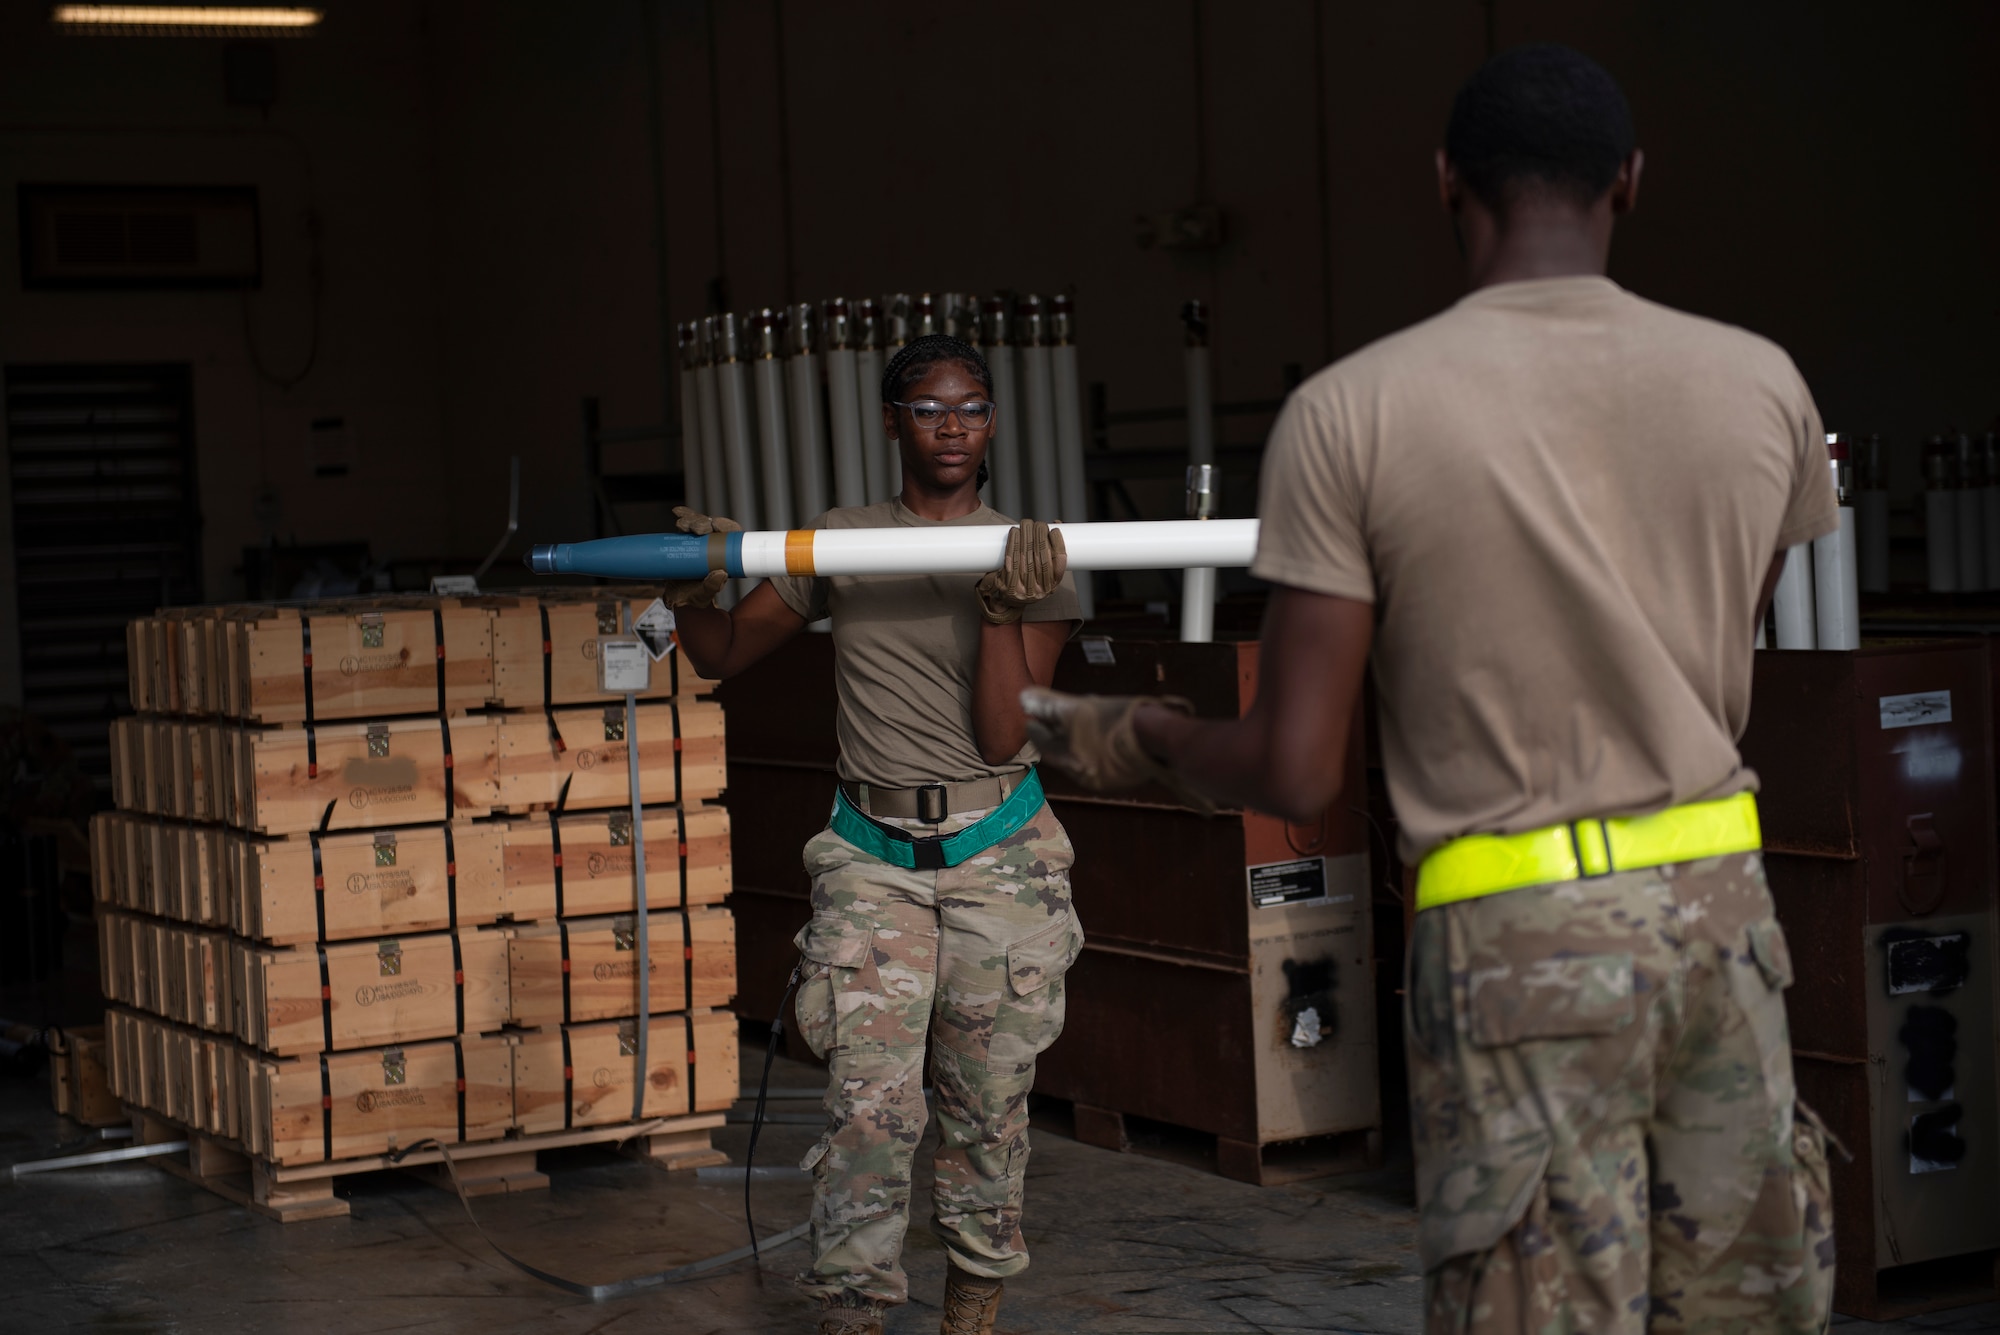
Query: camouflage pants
{"x": 1607, "y": 1135}
{"x": 972, "y": 957}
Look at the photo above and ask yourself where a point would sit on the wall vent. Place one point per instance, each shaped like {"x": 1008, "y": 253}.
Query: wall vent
{"x": 117, "y": 236}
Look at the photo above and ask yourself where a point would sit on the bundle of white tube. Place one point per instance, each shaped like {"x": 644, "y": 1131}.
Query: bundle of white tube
{"x": 958, "y": 317}
{"x": 774, "y": 454}
{"x": 879, "y": 454}
{"x": 1003, "y": 456}
{"x": 1044, "y": 476}
{"x": 850, "y": 471}
{"x": 1971, "y": 517}
{"x": 1792, "y": 603}
{"x": 1198, "y": 584}
{"x": 1987, "y": 455}
{"x": 1072, "y": 489}
{"x": 732, "y": 391}
{"x": 694, "y": 482}
{"x": 1836, "y": 588}
{"x": 1940, "y": 517}
{"x": 808, "y": 424}
{"x": 1872, "y": 517}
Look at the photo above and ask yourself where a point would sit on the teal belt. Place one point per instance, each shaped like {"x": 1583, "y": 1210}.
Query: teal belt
{"x": 899, "y": 848}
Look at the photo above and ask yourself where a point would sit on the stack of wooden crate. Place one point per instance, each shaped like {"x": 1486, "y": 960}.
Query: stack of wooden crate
{"x": 371, "y": 878}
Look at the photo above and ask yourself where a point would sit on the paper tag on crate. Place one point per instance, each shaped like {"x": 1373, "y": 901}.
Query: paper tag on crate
{"x": 655, "y": 629}
{"x": 623, "y": 667}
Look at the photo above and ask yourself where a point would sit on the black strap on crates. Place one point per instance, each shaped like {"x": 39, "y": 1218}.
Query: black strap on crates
{"x": 451, "y": 877}
{"x": 569, "y": 1081}
{"x": 444, "y": 714}
{"x": 620, "y": 1288}
{"x": 458, "y": 1054}
{"x": 325, "y": 996}
{"x": 319, "y": 882}
{"x": 689, "y": 1017}
{"x": 325, "y": 1094}
{"x": 674, "y": 709}
{"x": 681, "y": 847}
{"x": 458, "y": 987}
{"x": 319, "y": 906}
{"x": 687, "y": 956}
{"x": 312, "y": 739}
{"x": 562, "y": 930}
{"x": 548, "y": 682}
{"x": 555, "y": 838}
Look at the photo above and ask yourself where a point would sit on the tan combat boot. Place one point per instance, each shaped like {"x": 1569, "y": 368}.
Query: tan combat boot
{"x": 855, "y": 1317}
{"x": 971, "y": 1304}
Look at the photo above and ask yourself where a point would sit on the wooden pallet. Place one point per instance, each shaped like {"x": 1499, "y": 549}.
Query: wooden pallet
{"x": 1270, "y": 1164}
{"x": 306, "y": 1191}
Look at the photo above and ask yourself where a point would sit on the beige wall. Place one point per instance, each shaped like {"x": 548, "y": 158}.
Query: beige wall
{"x": 482, "y": 173}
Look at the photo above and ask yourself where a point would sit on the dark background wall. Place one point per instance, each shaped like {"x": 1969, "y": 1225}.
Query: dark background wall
{"x": 476, "y": 184}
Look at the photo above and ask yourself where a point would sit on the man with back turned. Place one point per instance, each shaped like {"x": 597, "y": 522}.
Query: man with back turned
{"x": 1554, "y": 512}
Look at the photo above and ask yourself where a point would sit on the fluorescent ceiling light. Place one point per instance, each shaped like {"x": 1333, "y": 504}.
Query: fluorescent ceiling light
{"x": 191, "y": 19}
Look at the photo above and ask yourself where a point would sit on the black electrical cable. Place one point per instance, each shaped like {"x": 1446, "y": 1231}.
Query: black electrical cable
{"x": 757, "y": 1116}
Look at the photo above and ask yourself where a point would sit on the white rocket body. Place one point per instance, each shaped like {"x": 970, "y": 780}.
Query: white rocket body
{"x": 1010, "y": 436}
{"x": 774, "y": 456}
{"x": 850, "y": 470}
{"x": 809, "y": 474}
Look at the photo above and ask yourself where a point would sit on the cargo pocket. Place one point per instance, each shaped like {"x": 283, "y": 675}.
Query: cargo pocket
{"x": 1569, "y": 997}
{"x": 1774, "y": 959}
{"x": 1812, "y": 1196}
{"x": 835, "y": 952}
{"x": 1035, "y": 961}
{"x": 1475, "y": 1196}
{"x": 1029, "y": 1017}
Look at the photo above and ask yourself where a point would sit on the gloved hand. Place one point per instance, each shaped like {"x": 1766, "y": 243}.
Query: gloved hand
{"x": 1030, "y": 570}
{"x": 1092, "y": 739}
{"x": 697, "y": 592}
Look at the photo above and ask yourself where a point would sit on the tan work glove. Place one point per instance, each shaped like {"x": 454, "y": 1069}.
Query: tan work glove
{"x": 1091, "y": 739}
{"x": 1030, "y": 570}
{"x": 697, "y": 592}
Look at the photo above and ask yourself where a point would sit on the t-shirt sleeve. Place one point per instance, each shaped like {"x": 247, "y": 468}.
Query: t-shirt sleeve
{"x": 1309, "y": 503}
{"x": 1062, "y": 605}
{"x": 1814, "y": 509}
{"x": 804, "y": 594}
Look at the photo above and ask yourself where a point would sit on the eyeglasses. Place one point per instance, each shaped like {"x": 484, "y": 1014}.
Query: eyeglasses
{"x": 928, "y": 413}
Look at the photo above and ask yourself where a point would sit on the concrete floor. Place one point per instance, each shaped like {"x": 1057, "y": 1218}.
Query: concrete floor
{"x": 1121, "y": 1243}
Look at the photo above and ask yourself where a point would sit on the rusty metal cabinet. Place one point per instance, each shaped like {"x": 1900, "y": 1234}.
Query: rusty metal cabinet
{"x": 1877, "y": 798}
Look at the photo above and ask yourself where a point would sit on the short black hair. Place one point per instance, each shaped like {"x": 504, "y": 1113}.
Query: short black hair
{"x": 1539, "y": 119}
{"x": 919, "y": 355}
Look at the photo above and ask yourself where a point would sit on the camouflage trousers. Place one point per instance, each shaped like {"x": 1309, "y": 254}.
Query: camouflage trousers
{"x": 971, "y": 957}
{"x": 1607, "y": 1135}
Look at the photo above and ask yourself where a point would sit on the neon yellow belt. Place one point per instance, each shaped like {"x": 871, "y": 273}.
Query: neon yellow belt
{"x": 1486, "y": 864}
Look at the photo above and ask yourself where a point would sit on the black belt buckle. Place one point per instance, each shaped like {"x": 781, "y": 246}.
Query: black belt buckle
{"x": 929, "y": 796}
{"x": 928, "y": 854}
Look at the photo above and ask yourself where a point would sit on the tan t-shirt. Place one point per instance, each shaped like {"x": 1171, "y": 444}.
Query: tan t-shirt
{"x": 905, "y": 649}
{"x": 1562, "y": 500}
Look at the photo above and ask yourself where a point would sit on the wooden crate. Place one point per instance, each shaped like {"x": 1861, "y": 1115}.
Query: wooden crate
{"x": 181, "y": 973}
{"x": 377, "y": 883}
{"x": 375, "y": 659}
{"x": 680, "y": 756}
{"x": 368, "y": 775}
{"x": 377, "y": 1101}
{"x": 533, "y": 669}
{"x": 79, "y": 1078}
{"x": 586, "y": 968}
{"x": 691, "y": 1066}
{"x": 391, "y": 991}
{"x": 687, "y": 861}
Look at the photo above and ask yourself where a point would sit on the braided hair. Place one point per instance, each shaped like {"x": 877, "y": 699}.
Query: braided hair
{"x": 915, "y": 359}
